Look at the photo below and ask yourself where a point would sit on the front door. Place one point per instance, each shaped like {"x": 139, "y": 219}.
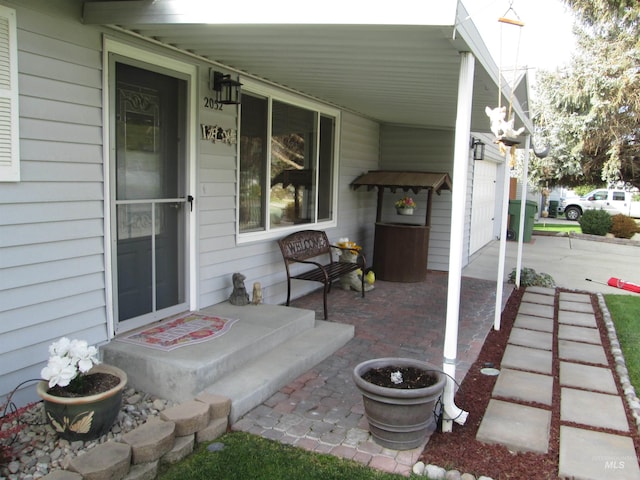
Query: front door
{"x": 149, "y": 205}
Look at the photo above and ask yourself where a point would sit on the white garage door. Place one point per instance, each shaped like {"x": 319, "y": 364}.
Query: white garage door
{"x": 483, "y": 204}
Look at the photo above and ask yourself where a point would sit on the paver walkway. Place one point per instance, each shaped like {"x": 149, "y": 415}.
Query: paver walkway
{"x": 520, "y": 413}
{"x": 322, "y": 410}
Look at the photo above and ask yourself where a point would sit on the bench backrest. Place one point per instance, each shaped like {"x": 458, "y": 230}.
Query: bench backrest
{"x": 304, "y": 245}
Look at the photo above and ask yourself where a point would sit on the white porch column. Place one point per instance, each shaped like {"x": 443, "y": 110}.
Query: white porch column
{"x": 503, "y": 243}
{"x": 460, "y": 167}
{"x": 523, "y": 206}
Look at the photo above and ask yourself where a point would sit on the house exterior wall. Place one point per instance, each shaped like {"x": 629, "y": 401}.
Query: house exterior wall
{"x": 52, "y": 269}
{"x": 53, "y": 258}
{"x": 404, "y": 148}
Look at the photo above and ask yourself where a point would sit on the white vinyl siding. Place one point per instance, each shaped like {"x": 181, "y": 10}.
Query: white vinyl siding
{"x": 404, "y": 148}
{"x": 52, "y": 267}
{"x": 9, "y": 142}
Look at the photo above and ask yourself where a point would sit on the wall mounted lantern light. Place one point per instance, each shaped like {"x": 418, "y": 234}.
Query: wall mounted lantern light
{"x": 478, "y": 148}
{"x": 227, "y": 89}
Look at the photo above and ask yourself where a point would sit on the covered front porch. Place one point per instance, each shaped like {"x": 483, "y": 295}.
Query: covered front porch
{"x": 283, "y": 361}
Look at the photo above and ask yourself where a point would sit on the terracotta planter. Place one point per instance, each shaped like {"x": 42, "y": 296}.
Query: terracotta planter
{"x": 84, "y": 418}
{"x": 404, "y": 211}
{"x": 398, "y": 418}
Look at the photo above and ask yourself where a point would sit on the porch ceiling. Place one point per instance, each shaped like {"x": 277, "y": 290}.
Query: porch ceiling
{"x": 394, "y": 74}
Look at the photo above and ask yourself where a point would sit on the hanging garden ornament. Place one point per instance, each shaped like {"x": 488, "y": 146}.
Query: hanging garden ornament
{"x": 501, "y": 119}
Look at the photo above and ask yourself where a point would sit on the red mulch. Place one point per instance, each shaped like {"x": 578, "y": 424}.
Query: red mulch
{"x": 461, "y": 451}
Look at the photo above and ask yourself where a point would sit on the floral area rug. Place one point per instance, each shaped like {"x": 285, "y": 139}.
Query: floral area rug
{"x": 179, "y": 332}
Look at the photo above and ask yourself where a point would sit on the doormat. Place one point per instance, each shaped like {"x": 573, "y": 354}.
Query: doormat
{"x": 179, "y": 332}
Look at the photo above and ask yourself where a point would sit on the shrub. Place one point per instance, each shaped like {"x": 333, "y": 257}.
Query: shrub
{"x": 595, "y": 222}
{"x": 623, "y": 226}
{"x": 530, "y": 278}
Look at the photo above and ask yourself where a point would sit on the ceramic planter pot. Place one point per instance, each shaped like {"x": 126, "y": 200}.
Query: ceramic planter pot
{"x": 404, "y": 211}
{"x": 398, "y": 418}
{"x": 84, "y": 418}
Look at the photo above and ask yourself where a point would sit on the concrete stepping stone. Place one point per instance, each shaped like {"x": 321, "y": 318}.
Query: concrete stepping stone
{"x": 575, "y": 307}
{"x": 587, "y": 377}
{"x": 593, "y": 409}
{"x": 531, "y": 338}
{"x": 525, "y": 358}
{"x": 580, "y": 319}
{"x": 593, "y": 455}
{"x": 545, "y": 311}
{"x": 519, "y": 427}
{"x": 581, "y": 352}
{"x": 534, "y": 323}
{"x": 524, "y": 386}
{"x": 579, "y": 334}
{"x": 532, "y": 297}
{"x": 575, "y": 297}
{"x": 542, "y": 290}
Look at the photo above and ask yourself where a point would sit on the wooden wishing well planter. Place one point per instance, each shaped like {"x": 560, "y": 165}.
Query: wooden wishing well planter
{"x": 401, "y": 250}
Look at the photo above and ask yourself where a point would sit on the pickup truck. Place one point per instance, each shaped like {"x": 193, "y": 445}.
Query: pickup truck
{"x": 613, "y": 201}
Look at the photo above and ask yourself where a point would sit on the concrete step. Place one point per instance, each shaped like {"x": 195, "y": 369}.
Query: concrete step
{"x": 181, "y": 374}
{"x": 259, "y": 379}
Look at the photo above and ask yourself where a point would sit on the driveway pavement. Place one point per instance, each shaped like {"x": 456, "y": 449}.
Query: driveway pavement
{"x": 569, "y": 260}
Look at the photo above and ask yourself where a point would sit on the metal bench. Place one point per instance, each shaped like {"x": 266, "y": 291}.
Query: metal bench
{"x": 312, "y": 248}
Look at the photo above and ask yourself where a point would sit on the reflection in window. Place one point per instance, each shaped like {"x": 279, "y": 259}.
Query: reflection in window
{"x": 296, "y": 170}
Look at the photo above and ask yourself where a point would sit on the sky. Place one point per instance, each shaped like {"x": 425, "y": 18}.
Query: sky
{"x": 545, "y": 42}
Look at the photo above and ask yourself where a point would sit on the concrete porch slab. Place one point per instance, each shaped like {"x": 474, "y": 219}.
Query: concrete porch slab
{"x": 581, "y": 352}
{"x": 581, "y": 319}
{"x": 519, "y": 427}
{"x": 579, "y": 334}
{"x": 593, "y": 409}
{"x": 524, "y": 386}
{"x": 181, "y": 374}
{"x": 587, "y": 377}
{"x": 525, "y": 358}
{"x": 590, "y": 455}
{"x": 531, "y": 338}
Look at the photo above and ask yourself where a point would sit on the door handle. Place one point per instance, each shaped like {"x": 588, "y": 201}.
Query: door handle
{"x": 190, "y": 199}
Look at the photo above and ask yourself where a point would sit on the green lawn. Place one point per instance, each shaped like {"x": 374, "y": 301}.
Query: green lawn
{"x": 557, "y": 227}
{"x": 625, "y": 312}
{"x": 246, "y": 456}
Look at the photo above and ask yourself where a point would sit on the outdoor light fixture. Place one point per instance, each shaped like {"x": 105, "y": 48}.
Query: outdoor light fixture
{"x": 478, "y": 148}
{"x": 227, "y": 89}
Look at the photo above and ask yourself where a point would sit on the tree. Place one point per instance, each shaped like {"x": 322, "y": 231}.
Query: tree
{"x": 589, "y": 111}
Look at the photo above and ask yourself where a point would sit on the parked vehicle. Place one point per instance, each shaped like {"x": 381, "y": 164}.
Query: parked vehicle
{"x": 613, "y": 201}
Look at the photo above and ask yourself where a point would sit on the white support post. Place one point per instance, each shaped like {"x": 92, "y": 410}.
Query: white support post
{"x": 503, "y": 244}
{"x": 523, "y": 205}
{"x": 456, "y": 243}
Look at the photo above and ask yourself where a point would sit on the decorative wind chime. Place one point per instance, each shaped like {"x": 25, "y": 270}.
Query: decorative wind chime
{"x": 502, "y": 120}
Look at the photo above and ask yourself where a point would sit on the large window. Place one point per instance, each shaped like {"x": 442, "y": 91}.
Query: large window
{"x": 287, "y": 164}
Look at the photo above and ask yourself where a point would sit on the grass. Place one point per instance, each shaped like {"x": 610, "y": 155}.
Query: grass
{"x": 625, "y": 312}
{"x": 557, "y": 227}
{"x": 247, "y": 456}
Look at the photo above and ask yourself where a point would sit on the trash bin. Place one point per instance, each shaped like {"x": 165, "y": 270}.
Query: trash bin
{"x": 530, "y": 210}
{"x": 553, "y": 208}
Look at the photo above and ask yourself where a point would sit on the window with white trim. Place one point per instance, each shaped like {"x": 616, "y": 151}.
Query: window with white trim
{"x": 9, "y": 118}
{"x": 287, "y": 151}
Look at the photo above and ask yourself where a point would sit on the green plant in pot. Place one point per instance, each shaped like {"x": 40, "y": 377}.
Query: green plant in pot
{"x": 399, "y": 396}
{"x": 82, "y": 398}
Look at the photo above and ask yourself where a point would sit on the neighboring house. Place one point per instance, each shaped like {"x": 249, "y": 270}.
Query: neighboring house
{"x": 119, "y": 136}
